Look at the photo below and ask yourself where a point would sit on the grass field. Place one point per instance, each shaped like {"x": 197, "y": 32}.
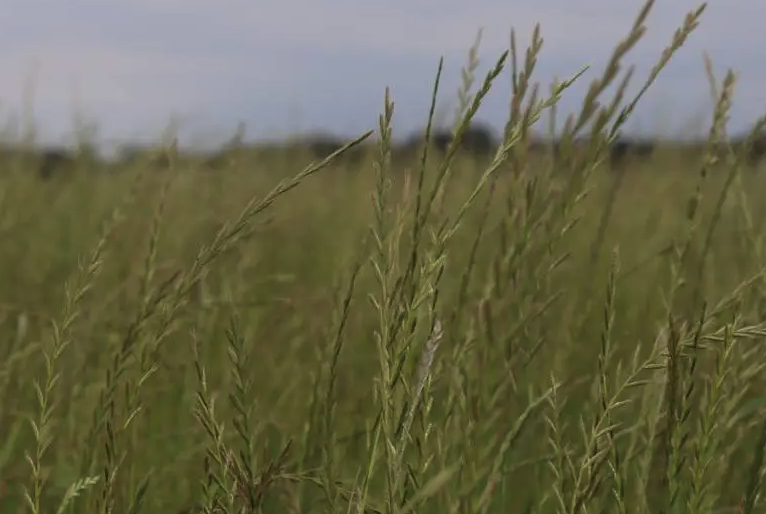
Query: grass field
{"x": 529, "y": 335}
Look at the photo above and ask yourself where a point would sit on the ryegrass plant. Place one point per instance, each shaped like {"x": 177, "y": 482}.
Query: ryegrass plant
{"x": 519, "y": 335}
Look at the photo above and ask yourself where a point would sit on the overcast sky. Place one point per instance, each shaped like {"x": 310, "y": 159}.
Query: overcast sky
{"x": 283, "y": 66}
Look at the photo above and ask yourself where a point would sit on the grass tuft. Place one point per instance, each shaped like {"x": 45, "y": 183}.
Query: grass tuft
{"x": 527, "y": 332}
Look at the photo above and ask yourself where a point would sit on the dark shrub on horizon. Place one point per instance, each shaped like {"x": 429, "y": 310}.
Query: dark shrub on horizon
{"x": 479, "y": 140}
{"x": 626, "y": 149}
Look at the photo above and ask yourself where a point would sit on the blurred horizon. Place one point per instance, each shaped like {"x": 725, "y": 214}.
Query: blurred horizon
{"x": 128, "y": 70}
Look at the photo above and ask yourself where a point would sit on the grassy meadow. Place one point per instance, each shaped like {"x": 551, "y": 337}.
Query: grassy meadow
{"x": 531, "y": 334}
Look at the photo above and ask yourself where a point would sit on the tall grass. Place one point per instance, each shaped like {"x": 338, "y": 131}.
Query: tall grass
{"x": 540, "y": 336}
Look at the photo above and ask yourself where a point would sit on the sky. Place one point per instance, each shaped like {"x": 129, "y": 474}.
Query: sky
{"x": 133, "y": 69}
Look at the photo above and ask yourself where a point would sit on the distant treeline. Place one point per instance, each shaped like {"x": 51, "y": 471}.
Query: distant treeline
{"x": 482, "y": 142}
{"x": 479, "y": 141}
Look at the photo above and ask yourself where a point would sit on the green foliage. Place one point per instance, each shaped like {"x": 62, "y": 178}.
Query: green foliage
{"x": 538, "y": 336}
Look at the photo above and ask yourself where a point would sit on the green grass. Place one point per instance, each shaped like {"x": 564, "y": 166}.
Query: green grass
{"x": 450, "y": 337}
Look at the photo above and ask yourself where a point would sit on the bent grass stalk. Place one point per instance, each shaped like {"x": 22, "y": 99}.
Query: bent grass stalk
{"x": 497, "y": 364}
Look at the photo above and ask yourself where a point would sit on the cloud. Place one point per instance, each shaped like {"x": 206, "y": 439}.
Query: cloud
{"x": 304, "y": 64}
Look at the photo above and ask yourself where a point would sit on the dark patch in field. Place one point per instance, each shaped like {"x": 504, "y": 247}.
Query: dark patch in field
{"x": 320, "y": 146}
{"x": 625, "y": 150}
{"x": 758, "y": 149}
{"x": 479, "y": 141}
{"x": 752, "y": 148}
{"x": 53, "y": 163}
